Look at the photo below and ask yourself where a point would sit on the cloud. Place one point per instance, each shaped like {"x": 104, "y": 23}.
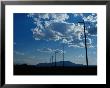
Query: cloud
{"x": 78, "y": 31}
{"x": 38, "y": 33}
{"x": 90, "y": 18}
{"x": 59, "y": 17}
{"x": 81, "y": 44}
{"x": 49, "y": 50}
{"x": 75, "y": 46}
{"x": 44, "y": 15}
{"x": 55, "y": 17}
{"x": 30, "y": 15}
{"x": 78, "y": 14}
{"x": 18, "y": 53}
{"x": 59, "y": 31}
{"x": 55, "y": 27}
{"x": 45, "y": 50}
{"x": 47, "y": 24}
{"x": 59, "y": 51}
{"x": 65, "y": 41}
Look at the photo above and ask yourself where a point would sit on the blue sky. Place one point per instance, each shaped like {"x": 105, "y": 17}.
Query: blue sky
{"x": 38, "y": 35}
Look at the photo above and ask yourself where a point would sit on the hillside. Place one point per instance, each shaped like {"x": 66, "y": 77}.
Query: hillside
{"x": 69, "y": 68}
{"x": 59, "y": 64}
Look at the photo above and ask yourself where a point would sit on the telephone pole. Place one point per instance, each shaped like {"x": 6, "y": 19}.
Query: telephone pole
{"x": 52, "y": 60}
{"x": 63, "y": 55}
{"x": 55, "y": 58}
{"x": 85, "y": 42}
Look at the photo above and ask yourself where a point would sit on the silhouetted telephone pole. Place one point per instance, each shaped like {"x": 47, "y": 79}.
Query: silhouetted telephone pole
{"x": 85, "y": 43}
{"x": 63, "y": 55}
{"x": 55, "y": 58}
{"x": 52, "y": 60}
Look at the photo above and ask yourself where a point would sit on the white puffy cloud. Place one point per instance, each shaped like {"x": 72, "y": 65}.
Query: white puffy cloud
{"x": 44, "y": 16}
{"x": 82, "y": 44}
{"x": 75, "y": 46}
{"x": 30, "y": 14}
{"x": 50, "y": 50}
{"x": 38, "y": 23}
{"x": 65, "y": 41}
{"x": 90, "y": 18}
{"x": 78, "y": 14}
{"x": 89, "y": 41}
{"x": 59, "y": 17}
{"x": 55, "y": 17}
{"x": 38, "y": 34}
{"x": 47, "y": 24}
{"x": 78, "y": 31}
{"x": 64, "y": 35}
{"x": 58, "y": 51}
{"x": 56, "y": 28}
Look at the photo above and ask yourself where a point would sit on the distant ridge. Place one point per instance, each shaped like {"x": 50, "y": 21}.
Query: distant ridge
{"x": 59, "y": 64}
{"x": 69, "y": 68}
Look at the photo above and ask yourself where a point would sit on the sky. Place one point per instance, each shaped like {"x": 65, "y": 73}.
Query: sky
{"x": 37, "y": 36}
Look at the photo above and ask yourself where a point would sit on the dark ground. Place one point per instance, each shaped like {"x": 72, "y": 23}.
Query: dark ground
{"x": 32, "y": 70}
